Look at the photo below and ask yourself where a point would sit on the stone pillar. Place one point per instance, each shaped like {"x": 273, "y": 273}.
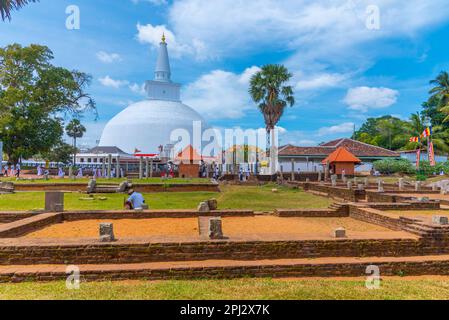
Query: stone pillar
{"x": 109, "y": 165}
{"x": 434, "y": 187}
{"x": 210, "y": 227}
{"x": 366, "y": 182}
{"x": 343, "y": 177}
{"x": 326, "y": 171}
{"x": 417, "y": 185}
{"x": 293, "y": 170}
{"x": 140, "y": 167}
{"x": 147, "y": 167}
{"x": 106, "y": 232}
{"x": 339, "y": 233}
{"x": 355, "y": 181}
{"x": 349, "y": 185}
{"x": 151, "y": 168}
{"x": 319, "y": 176}
{"x": 401, "y": 183}
{"x": 380, "y": 185}
{"x": 54, "y": 201}
{"x": 71, "y": 172}
{"x": 334, "y": 180}
{"x": 103, "y": 166}
{"x": 117, "y": 167}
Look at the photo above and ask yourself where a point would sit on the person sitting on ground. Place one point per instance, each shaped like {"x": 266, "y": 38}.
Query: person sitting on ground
{"x": 135, "y": 201}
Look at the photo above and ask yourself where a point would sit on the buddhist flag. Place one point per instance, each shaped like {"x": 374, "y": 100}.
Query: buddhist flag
{"x": 414, "y": 139}
{"x": 418, "y": 158}
{"x": 431, "y": 154}
{"x": 427, "y": 132}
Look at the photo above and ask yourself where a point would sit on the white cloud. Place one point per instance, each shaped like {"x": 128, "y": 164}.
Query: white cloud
{"x": 108, "y": 57}
{"x": 153, "y": 35}
{"x": 109, "y": 82}
{"x": 365, "y": 98}
{"x": 136, "y": 88}
{"x": 319, "y": 81}
{"x": 341, "y": 128}
{"x": 232, "y": 27}
{"x": 154, "y": 2}
{"x": 221, "y": 94}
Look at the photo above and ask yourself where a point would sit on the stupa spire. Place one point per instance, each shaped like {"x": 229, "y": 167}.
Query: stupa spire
{"x": 162, "y": 72}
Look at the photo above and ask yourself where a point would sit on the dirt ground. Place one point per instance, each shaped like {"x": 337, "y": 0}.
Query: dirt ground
{"x": 238, "y": 226}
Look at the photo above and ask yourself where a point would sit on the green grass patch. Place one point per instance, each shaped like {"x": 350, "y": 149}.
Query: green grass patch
{"x": 257, "y": 289}
{"x": 232, "y": 197}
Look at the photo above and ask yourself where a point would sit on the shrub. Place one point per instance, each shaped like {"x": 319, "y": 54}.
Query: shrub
{"x": 389, "y": 166}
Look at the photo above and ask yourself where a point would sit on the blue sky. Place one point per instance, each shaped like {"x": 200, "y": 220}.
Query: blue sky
{"x": 344, "y": 70}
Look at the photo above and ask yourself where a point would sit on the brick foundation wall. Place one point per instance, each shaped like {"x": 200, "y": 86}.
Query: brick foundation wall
{"x": 375, "y": 216}
{"x": 140, "y": 187}
{"x": 114, "y": 215}
{"x": 7, "y": 217}
{"x": 93, "y": 252}
{"x": 393, "y": 268}
{"x": 336, "y": 192}
{"x": 24, "y": 226}
{"x": 312, "y": 213}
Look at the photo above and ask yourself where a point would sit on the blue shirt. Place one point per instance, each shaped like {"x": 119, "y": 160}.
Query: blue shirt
{"x": 137, "y": 200}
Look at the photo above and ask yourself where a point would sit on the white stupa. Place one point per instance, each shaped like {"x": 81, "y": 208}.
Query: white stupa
{"x": 148, "y": 124}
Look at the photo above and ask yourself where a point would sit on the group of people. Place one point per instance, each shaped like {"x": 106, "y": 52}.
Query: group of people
{"x": 11, "y": 170}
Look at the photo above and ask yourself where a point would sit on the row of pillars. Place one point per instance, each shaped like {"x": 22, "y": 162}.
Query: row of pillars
{"x": 108, "y": 167}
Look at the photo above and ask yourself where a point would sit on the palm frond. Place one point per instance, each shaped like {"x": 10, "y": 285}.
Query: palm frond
{"x": 6, "y": 6}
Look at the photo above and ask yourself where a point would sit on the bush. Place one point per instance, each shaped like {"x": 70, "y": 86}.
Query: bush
{"x": 389, "y": 166}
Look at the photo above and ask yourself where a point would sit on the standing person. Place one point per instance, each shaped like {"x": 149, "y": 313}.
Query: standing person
{"x": 122, "y": 175}
{"x": 80, "y": 172}
{"x": 6, "y": 170}
{"x": 61, "y": 173}
{"x": 18, "y": 170}
{"x": 39, "y": 170}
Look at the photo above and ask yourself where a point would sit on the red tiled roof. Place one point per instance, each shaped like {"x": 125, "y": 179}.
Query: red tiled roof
{"x": 359, "y": 149}
{"x": 341, "y": 155}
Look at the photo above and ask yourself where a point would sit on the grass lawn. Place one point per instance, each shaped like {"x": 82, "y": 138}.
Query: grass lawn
{"x": 257, "y": 289}
{"x": 231, "y": 197}
{"x": 113, "y": 180}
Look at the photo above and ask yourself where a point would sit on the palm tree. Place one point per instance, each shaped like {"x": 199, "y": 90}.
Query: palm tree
{"x": 441, "y": 92}
{"x": 75, "y": 130}
{"x": 6, "y": 6}
{"x": 269, "y": 90}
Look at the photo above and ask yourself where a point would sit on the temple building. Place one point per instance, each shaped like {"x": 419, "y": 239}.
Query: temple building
{"x": 145, "y": 126}
{"x": 309, "y": 159}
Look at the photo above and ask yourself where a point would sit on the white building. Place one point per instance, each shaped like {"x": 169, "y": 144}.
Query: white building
{"x": 146, "y": 125}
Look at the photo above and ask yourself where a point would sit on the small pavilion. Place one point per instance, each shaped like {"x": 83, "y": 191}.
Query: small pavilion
{"x": 188, "y": 161}
{"x": 341, "y": 159}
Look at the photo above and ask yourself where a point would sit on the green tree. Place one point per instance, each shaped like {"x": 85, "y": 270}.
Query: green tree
{"x": 34, "y": 95}
{"x": 440, "y": 93}
{"x": 269, "y": 89}
{"x": 60, "y": 153}
{"x": 75, "y": 130}
{"x": 386, "y": 132}
{"x": 6, "y": 6}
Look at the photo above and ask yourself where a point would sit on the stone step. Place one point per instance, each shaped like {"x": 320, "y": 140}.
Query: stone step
{"x": 213, "y": 269}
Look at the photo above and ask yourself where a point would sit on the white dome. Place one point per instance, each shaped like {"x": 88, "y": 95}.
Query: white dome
{"x": 148, "y": 124}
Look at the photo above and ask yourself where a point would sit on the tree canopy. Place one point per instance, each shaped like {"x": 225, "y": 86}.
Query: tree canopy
{"x": 269, "y": 90}
{"x": 35, "y": 95}
{"x": 394, "y": 133}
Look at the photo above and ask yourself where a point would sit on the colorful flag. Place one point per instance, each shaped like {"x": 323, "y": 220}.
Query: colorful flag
{"x": 418, "y": 158}
{"x": 431, "y": 153}
{"x": 427, "y": 132}
{"x": 414, "y": 139}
